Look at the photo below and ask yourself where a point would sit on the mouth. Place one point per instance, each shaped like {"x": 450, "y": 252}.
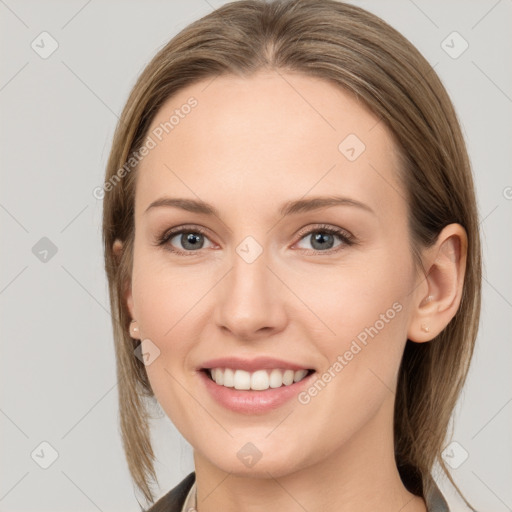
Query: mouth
{"x": 258, "y": 380}
{"x": 254, "y": 386}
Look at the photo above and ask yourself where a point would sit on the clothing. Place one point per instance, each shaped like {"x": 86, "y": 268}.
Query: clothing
{"x": 182, "y": 497}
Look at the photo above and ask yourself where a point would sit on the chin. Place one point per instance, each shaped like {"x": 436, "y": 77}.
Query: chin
{"x": 262, "y": 465}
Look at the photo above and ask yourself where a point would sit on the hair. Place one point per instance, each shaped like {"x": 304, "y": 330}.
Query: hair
{"x": 354, "y": 49}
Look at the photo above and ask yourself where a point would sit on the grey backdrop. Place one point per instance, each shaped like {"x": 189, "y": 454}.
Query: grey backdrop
{"x": 67, "y": 68}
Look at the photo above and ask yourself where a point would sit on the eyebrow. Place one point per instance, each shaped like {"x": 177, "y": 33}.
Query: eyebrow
{"x": 288, "y": 208}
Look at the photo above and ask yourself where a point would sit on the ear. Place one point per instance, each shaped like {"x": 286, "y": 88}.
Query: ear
{"x": 437, "y": 297}
{"x": 118, "y": 251}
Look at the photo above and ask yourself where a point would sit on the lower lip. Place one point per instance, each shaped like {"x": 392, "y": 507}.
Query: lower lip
{"x": 251, "y": 401}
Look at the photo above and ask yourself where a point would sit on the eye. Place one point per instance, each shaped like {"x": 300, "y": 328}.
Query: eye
{"x": 191, "y": 240}
{"x": 323, "y": 238}
{"x": 188, "y": 241}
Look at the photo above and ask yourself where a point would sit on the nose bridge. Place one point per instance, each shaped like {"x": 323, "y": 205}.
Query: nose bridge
{"x": 250, "y": 299}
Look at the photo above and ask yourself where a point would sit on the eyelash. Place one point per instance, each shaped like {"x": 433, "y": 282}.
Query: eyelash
{"x": 347, "y": 239}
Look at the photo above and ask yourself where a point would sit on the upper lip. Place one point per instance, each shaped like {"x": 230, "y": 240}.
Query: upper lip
{"x": 251, "y": 365}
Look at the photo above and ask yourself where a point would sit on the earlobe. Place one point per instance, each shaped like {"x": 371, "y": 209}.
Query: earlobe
{"x": 439, "y": 298}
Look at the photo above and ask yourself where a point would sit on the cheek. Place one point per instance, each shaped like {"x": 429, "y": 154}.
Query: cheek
{"x": 165, "y": 295}
{"x": 167, "y": 303}
{"x": 362, "y": 319}
{"x": 341, "y": 301}
{"x": 362, "y": 359}
{"x": 166, "y": 312}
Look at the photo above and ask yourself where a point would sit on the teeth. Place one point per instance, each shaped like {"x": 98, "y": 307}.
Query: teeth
{"x": 241, "y": 379}
{"x": 276, "y": 378}
{"x": 288, "y": 376}
{"x": 218, "y": 377}
{"x": 259, "y": 380}
{"x": 299, "y": 375}
{"x": 229, "y": 378}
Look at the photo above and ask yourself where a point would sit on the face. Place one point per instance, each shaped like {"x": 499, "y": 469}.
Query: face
{"x": 316, "y": 286}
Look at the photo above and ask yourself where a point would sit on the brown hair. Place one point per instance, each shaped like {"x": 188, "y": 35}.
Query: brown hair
{"x": 359, "y": 52}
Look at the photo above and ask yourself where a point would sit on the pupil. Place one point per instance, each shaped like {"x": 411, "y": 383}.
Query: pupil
{"x": 321, "y": 239}
{"x": 192, "y": 239}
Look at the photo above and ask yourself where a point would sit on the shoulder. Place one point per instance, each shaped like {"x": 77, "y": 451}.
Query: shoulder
{"x": 174, "y": 499}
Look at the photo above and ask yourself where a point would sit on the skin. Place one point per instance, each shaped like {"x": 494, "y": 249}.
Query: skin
{"x": 250, "y": 145}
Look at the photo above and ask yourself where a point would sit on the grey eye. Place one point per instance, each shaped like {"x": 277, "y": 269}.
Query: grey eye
{"x": 321, "y": 240}
{"x": 189, "y": 240}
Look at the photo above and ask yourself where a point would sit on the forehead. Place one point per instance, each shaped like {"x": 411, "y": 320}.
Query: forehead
{"x": 272, "y": 136}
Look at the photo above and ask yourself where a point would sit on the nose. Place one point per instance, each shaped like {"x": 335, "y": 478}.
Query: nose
{"x": 251, "y": 300}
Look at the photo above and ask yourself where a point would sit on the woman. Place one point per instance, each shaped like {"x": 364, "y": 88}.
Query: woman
{"x": 292, "y": 250}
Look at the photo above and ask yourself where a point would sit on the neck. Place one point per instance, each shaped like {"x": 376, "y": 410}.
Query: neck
{"x": 360, "y": 475}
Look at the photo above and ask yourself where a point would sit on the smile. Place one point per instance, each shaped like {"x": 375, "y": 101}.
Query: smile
{"x": 259, "y": 380}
